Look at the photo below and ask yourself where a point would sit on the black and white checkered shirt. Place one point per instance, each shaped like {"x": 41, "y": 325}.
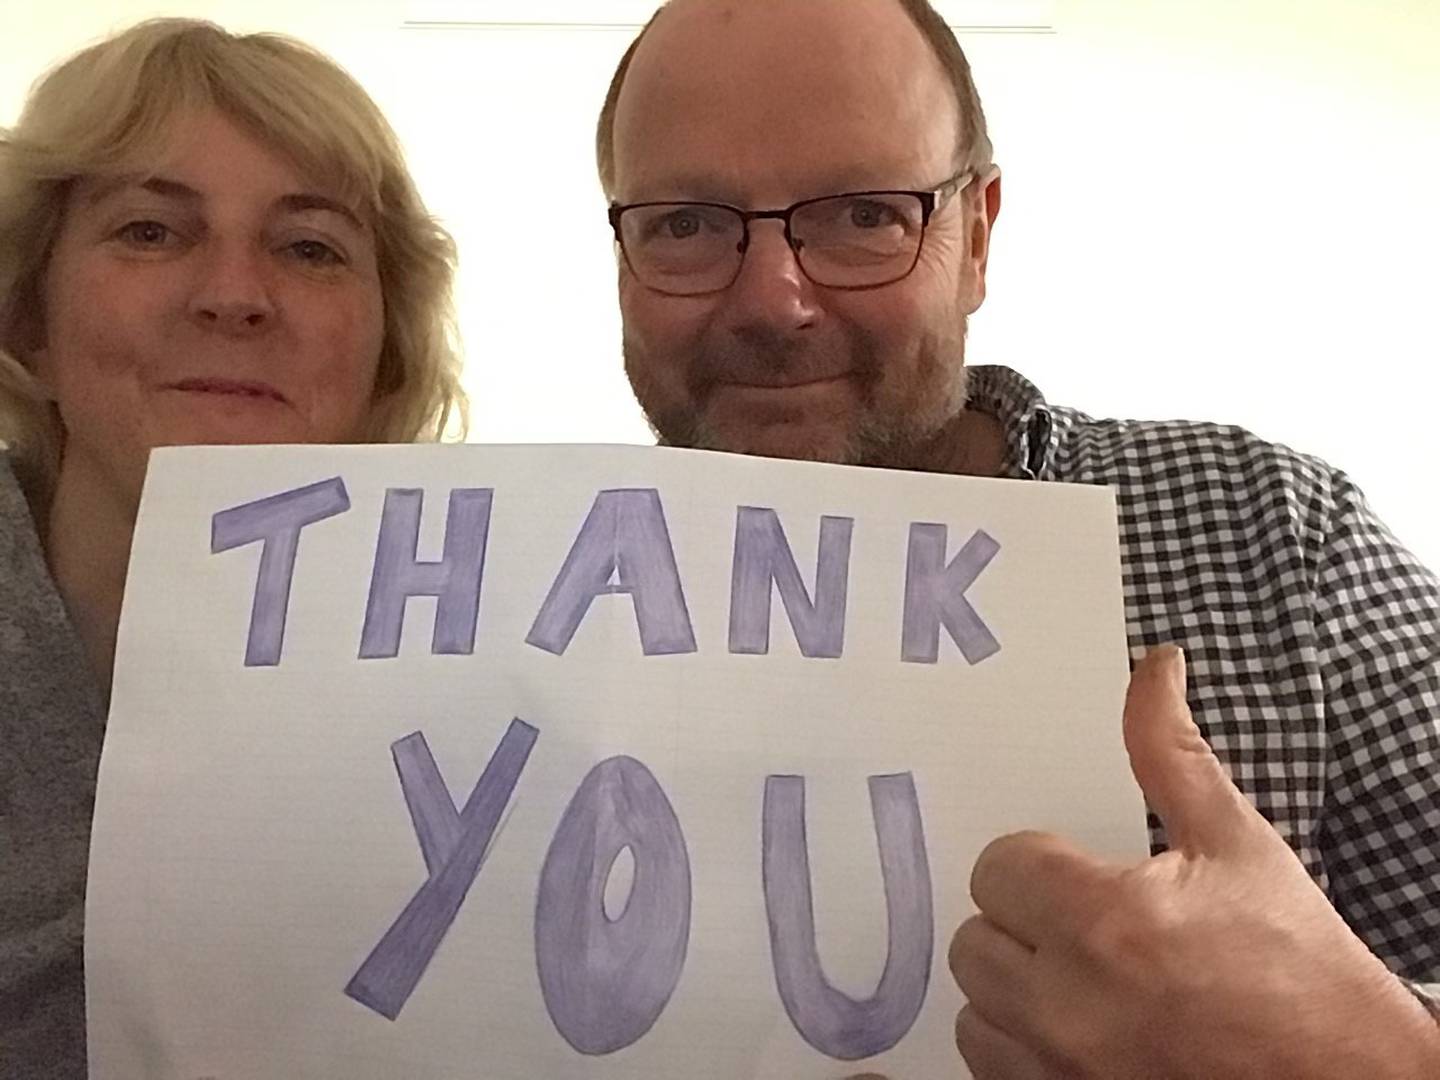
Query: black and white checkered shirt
{"x": 1313, "y": 641}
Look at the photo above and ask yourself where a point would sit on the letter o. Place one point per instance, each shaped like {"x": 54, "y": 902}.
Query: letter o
{"x": 607, "y": 981}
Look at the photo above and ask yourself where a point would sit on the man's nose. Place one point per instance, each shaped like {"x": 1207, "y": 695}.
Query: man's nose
{"x": 771, "y": 289}
{"x": 233, "y": 294}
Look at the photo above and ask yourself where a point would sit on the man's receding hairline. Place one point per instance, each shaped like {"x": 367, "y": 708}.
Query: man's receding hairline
{"x": 969, "y": 115}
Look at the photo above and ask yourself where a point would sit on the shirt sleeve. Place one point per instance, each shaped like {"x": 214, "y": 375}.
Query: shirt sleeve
{"x": 1429, "y": 995}
{"x": 1378, "y": 629}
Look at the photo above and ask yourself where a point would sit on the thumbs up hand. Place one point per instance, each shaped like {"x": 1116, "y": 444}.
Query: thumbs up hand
{"x": 1217, "y": 958}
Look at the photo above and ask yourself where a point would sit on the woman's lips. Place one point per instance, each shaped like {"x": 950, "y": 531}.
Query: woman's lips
{"x": 230, "y": 387}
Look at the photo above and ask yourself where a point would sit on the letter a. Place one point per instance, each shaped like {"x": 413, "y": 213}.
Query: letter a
{"x": 624, "y": 539}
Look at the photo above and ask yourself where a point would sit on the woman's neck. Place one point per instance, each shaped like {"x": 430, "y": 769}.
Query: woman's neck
{"x": 87, "y": 545}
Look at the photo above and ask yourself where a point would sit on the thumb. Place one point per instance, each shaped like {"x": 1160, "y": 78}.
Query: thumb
{"x": 1183, "y": 781}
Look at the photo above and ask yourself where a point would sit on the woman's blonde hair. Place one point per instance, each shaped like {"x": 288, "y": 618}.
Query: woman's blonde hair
{"x": 110, "y": 105}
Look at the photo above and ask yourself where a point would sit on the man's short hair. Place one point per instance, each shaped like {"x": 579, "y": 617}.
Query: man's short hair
{"x": 973, "y": 150}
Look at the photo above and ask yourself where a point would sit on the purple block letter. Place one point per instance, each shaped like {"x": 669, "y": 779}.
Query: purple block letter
{"x": 606, "y": 980}
{"x": 454, "y": 580}
{"x": 829, "y": 1019}
{"x": 935, "y": 595}
{"x": 624, "y": 540}
{"x": 454, "y": 845}
{"x": 762, "y": 556}
{"x": 276, "y": 521}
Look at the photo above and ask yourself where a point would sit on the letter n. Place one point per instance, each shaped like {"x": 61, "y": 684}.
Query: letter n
{"x": 763, "y": 556}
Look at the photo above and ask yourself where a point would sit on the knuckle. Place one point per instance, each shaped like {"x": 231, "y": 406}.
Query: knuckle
{"x": 968, "y": 1031}
{"x": 967, "y": 951}
{"x": 1131, "y": 920}
{"x": 1002, "y": 854}
{"x": 966, "y": 938}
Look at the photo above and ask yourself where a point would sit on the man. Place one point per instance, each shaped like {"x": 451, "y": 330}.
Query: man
{"x": 803, "y": 194}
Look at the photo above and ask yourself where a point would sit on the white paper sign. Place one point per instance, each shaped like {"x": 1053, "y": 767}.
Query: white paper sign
{"x": 519, "y": 762}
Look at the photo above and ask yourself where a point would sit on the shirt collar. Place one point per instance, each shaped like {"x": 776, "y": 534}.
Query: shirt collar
{"x": 1029, "y": 425}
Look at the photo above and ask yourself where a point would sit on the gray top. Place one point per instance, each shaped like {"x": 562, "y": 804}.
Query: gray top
{"x": 51, "y": 726}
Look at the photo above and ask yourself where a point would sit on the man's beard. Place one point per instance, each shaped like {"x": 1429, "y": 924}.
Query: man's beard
{"x": 894, "y": 427}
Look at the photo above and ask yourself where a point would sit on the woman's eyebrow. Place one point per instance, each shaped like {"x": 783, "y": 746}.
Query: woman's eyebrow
{"x": 158, "y": 185}
{"x": 303, "y": 201}
{"x": 295, "y": 203}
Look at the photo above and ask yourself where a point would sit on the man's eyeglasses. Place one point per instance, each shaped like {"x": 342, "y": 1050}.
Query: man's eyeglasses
{"x": 858, "y": 240}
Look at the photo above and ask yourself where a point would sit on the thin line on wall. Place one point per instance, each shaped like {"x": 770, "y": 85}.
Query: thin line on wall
{"x": 964, "y": 16}
{"x": 446, "y": 25}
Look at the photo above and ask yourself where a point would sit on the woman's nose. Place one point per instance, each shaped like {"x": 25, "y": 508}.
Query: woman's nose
{"x": 233, "y": 292}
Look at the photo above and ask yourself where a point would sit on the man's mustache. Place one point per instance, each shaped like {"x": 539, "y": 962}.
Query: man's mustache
{"x": 761, "y": 357}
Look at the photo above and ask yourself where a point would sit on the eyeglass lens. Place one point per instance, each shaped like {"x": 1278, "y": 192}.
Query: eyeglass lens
{"x": 846, "y": 241}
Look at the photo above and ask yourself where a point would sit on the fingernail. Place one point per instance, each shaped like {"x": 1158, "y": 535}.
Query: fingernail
{"x": 1174, "y": 661}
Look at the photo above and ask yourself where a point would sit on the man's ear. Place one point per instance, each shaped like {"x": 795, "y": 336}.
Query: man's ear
{"x": 984, "y": 223}
{"x": 983, "y": 208}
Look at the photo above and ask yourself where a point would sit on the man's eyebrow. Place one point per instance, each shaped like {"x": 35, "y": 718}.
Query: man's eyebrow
{"x": 697, "y": 187}
{"x": 303, "y": 201}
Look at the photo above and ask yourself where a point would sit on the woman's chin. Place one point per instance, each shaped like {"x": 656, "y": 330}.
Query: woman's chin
{"x": 230, "y": 434}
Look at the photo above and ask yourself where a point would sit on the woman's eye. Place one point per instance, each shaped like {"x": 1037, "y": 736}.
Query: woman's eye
{"x": 316, "y": 252}
{"x": 149, "y": 234}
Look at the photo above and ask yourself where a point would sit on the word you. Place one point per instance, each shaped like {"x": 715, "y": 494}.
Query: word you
{"x": 623, "y": 547}
{"x": 606, "y": 979}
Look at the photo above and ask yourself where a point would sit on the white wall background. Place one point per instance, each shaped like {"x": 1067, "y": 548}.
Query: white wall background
{"x": 1217, "y": 209}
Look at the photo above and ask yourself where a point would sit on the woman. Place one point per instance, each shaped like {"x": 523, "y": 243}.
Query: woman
{"x": 204, "y": 238}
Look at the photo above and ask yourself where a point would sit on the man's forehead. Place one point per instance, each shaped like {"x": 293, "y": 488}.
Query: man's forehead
{"x": 764, "y": 16}
{"x": 808, "y": 96}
